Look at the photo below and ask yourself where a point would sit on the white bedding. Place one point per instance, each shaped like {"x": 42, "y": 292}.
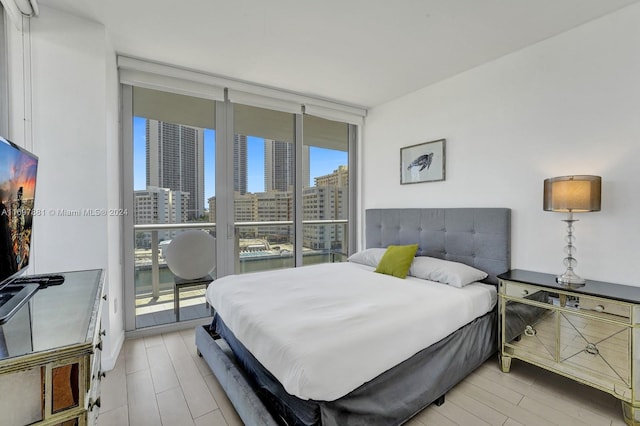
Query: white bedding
{"x": 324, "y": 330}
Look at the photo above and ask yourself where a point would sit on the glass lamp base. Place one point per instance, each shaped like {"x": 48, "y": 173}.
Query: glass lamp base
{"x": 570, "y": 278}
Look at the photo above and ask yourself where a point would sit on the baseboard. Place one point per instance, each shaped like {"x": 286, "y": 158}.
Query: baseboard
{"x": 109, "y": 360}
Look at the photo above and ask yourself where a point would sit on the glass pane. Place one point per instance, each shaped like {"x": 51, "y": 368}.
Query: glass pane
{"x": 326, "y": 191}
{"x": 174, "y": 179}
{"x": 264, "y": 178}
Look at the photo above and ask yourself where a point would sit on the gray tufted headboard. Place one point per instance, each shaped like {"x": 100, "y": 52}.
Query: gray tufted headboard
{"x": 479, "y": 237}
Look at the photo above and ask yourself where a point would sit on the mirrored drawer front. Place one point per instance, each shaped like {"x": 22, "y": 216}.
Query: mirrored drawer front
{"x": 530, "y": 332}
{"x": 619, "y": 309}
{"x": 519, "y": 290}
{"x": 593, "y": 306}
{"x": 597, "y": 348}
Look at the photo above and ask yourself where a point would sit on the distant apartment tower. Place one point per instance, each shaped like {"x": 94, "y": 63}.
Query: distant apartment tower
{"x": 275, "y": 206}
{"x": 159, "y": 205}
{"x": 327, "y": 200}
{"x": 175, "y": 160}
{"x": 339, "y": 178}
{"x": 324, "y": 203}
{"x": 240, "y": 164}
{"x": 279, "y": 166}
{"x": 244, "y": 209}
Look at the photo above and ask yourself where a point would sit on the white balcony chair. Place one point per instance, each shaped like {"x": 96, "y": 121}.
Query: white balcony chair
{"x": 191, "y": 257}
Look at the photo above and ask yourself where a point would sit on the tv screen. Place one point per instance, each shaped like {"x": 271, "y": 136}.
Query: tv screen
{"x": 18, "y": 170}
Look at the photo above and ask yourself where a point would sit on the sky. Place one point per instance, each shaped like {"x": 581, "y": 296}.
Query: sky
{"x": 322, "y": 161}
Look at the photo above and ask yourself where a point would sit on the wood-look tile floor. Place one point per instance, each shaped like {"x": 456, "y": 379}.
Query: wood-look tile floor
{"x": 161, "y": 380}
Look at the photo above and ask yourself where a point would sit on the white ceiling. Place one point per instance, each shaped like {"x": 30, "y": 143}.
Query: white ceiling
{"x": 360, "y": 52}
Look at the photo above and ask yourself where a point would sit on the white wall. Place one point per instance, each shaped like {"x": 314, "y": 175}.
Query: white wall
{"x": 75, "y": 135}
{"x": 567, "y": 105}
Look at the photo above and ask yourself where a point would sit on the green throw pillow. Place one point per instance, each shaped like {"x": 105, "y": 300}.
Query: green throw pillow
{"x": 397, "y": 260}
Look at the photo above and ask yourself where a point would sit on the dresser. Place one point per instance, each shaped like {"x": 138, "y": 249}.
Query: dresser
{"x": 588, "y": 333}
{"x": 50, "y": 355}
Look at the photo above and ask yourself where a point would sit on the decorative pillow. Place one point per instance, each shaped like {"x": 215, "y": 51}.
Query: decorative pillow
{"x": 444, "y": 271}
{"x": 397, "y": 260}
{"x": 370, "y": 257}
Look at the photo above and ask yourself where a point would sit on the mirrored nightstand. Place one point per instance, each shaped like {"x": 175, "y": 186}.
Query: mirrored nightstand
{"x": 590, "y": 333}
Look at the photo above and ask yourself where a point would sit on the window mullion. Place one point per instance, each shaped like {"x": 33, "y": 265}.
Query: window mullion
{"x": 298, "y": 196}
{"x": 352, "y": 229}
{"x": 225, "y": 229}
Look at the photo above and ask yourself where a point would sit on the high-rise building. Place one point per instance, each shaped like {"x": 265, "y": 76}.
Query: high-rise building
{"x": 175, "y": 160}
{"x": 328, "y": 199}
{"x": 279, "y": 166}
{"x": 240, "y": 164}
{"x": 339, "y": 178}
{"x": 275, "y": 206}
{"x": 159, "y": 205}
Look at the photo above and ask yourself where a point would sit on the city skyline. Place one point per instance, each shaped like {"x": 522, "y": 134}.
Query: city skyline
{"x": 322, "y": 161}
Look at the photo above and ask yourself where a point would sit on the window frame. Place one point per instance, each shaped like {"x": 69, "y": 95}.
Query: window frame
{"x": 137, "y": 73}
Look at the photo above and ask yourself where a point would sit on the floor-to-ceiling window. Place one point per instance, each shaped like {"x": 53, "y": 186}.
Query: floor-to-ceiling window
{"x": 272, "y": 184}
{"x": 173, "y": 179}
{"x": 326, "y": 190}
{"x": 264, "y": 166}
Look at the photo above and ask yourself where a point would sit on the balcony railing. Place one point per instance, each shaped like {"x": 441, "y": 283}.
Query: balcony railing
{"x": 154, "y": 244}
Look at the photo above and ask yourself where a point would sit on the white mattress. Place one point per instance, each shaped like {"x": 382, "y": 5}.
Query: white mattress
{"x": 324, "y": 330}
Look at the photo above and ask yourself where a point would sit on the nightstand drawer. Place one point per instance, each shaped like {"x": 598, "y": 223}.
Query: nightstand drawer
{"x": 606, "y": 306}
{"x": 518, "y": 290}
{"x": 596, "y": 306}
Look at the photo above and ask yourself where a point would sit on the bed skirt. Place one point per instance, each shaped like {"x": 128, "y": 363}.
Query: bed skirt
{"x": 390, "y": 399}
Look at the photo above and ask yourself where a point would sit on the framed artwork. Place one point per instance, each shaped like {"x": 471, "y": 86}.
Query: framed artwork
{"x": 423, "y": 162}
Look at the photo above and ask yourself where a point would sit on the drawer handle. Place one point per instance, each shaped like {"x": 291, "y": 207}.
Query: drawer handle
{"x": 99, "y": 345}
{"x": 529, "y": 331}
{"x": 103, "y": 332}
{"x": 525, "y": 292}
{"x": 592, "y": 349}
{"x": 100, "y": 375}
{"x": 599, "y": 308}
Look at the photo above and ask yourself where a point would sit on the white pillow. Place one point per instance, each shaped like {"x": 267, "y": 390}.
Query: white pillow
{"x": 444, "y": 271}
{"x": 370, "y": 257}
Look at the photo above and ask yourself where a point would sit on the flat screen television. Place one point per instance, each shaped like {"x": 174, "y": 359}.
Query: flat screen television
{"x": 18, "y": 169}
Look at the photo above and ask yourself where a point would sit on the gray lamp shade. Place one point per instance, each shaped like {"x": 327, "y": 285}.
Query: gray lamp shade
{"x": 576, "y": 194}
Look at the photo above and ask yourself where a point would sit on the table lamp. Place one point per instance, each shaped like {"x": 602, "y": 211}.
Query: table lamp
{"x": 571, "y": 194}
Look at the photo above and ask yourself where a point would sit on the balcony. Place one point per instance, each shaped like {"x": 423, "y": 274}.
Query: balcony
{"x": 154, "y": 282}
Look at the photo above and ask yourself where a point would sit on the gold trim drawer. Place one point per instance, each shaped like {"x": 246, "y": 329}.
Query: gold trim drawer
{"x": 518, "y": 290}
{"x": 605, "y": 306}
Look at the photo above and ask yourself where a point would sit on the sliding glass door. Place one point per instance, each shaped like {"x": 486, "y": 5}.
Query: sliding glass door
{"x": 173, "y": 176}
{"x": 326, "y": 190}
{"x": 264, "y": 166}
{"x": 272, "y": 186}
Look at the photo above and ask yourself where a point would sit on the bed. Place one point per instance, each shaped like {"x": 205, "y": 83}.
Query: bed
{"x": 387, "y": 377}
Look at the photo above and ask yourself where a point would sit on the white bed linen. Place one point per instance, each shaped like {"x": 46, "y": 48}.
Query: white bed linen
{"x": 324, "y": 330}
